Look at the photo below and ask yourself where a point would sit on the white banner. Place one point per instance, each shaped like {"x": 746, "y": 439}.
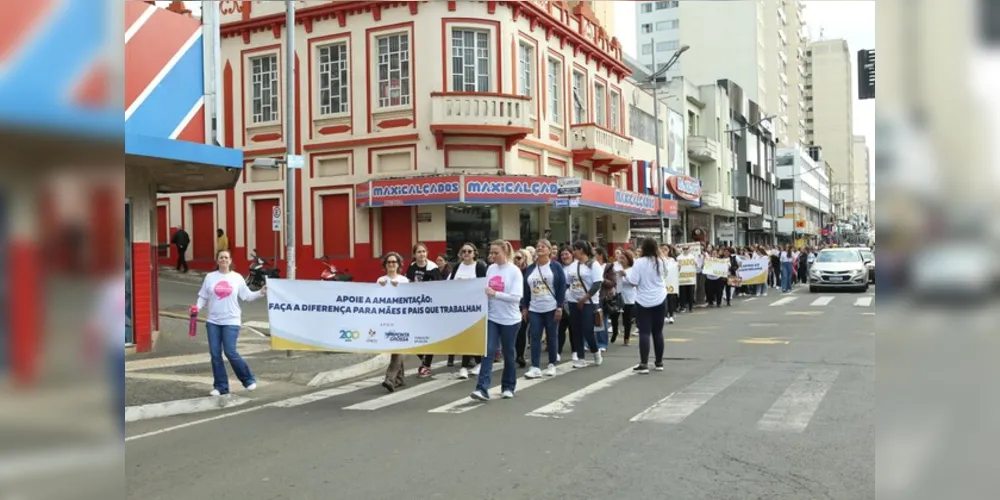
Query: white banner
{"x": 716, "y": 267}
{"x": 437, "y": 317}
{"x": 754, "y": 271}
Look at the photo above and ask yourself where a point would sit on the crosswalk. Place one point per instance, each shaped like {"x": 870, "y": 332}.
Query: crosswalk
{"x": 823, "y": 300}
{"x": 614, "y": 392}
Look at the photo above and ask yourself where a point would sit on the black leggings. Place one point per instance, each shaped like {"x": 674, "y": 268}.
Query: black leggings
{"x": 671, "y": 304}
{"x": 628, "y": 316}
{"x": 687, "y": 297}
{"x": 522, "y": 339}
{"x": 564, "y": 327}
{"x": 650, "y": 320}
{"x": 614, "y": 317}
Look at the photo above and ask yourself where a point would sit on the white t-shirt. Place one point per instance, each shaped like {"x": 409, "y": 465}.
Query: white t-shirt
{"x": 651, "y": 290}
{"x": 627, "y": 289}
{"x": 598, "y": 276}
{"x": 508, "y": 282}
{"x": 465, "y": 271}
{"x": 542, "y": 285}
{"x": 398, "y": 279}
{"x": 580, "y": 278}
{"x": 221, "y": 293}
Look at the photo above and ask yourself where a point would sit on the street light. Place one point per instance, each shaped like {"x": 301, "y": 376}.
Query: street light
{"x": 656, "y": 123}
{"x": 732, "y": 174}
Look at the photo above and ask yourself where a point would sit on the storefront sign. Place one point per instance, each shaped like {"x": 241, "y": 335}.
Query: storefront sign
{"x": 570, "y": 187}
{"x": 686, "y": 188}
{"x": 638, "y": 202}
{"x": 483, "y": 189}
{"x": 410, "y": 192}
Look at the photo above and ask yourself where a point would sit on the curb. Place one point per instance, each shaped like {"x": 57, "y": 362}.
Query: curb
{"x": 349, "y": 372}
{"x": 182, "y": 407}
{"x": 180, "y": 316}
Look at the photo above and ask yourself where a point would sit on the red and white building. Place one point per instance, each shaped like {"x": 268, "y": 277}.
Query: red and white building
{"x": 439, "y": 122}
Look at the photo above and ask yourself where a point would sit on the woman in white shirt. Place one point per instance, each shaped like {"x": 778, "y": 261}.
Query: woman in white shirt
{"x": 542, "y": 307}
{"x": 221, "y": 292}
{"x": 651, "y": 295}
{"x": 585, "y": 280}
{"x": 469, "y": 268}
{"x": 394, "y": 373}
{"x": 787, "y": 258}
{"x": 626, "y": 260}
{"x": 672, "y": 282}
{"x": 505, "y": 286}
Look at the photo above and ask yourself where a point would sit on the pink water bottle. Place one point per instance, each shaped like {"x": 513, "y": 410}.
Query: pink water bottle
{"x": 193, "y": 324}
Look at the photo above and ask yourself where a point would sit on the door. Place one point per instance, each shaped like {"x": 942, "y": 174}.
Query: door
{"x": 265, "y": 238}
{"x": 397, "y": 231}
{"x": 162, "y": 229}
{"x": 337, "y": 225}
{"x": 203, "y": 232}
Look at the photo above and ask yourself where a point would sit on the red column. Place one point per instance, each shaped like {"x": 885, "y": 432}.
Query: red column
{"x": 143, "y": 269}
{"x": 25, "y": 311}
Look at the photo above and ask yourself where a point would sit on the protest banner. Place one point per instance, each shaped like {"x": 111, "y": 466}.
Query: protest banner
{"x": 439, "y": 317}
{"x": 716, "y": 267}
{"x": 688, "y": 270}
{"x": 753, "y": 271}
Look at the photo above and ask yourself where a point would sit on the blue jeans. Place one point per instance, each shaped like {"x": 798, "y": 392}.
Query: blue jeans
{"x": 536, "y": 322}
{"x": 786, "y": 276}
{"x": 499, "y": 337}
{"x": 222, "y": 340}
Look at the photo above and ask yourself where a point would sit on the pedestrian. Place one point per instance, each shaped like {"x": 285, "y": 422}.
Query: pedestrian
{"x": 220, "y": 293}
{"x": 565, "y": 328}
{"x": 522, "y": 259}
{"x": 672, "y": 279}
{"x": 651, "y": 295}
{"x": 181, "y": 240}
{"x": 470, "y": 267}
{"x": 395, "y": 372}
{"x": 626, "y": 260}
{"x": 422, "y": 269}
{"x": 787, "y": 264}
{"x": 585, "y": 281}
{"x": 505, "y": 286}
{"x": 542, "y": 306}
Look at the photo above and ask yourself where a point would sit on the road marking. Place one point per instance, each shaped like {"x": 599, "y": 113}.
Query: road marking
{"x": 746, "y": 312}
{"x": 867, "y": 314}
{"x": 467, "y": 404}
{"x": 194, "y": 423}
{"x": 677, "y": 341}
{"x": 411, "y": 393}
{"x": 822, "y": 301}
{"x": 764, "y": 341}
{"x": 763, "y": 325}
{"x": 566, "y": 404}
{"x": 341, "y": 390}
{"x": 257, "y": 324}
{"x": 803, "y": 313}
{"x": 751, "y": 299}
{"x": 864, "y": 301}
{"x": 795, "y": 408}
{"x": 676, "y": 407}
{"x": 781, "y": 302}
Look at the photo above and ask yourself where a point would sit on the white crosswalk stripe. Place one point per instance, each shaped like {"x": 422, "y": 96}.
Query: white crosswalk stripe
{"x": 678, "y": 406}
{"x": 795, "y": 408}
{"x": 564, "y": 405}
{"x": 822, "y": 301}
{"x": 783, "y": 301}
{"x": 864, "y": 302}
{"x": 467, "y": 404}
{"x": 341, "y": 390}
{"x": 411, "y": 393}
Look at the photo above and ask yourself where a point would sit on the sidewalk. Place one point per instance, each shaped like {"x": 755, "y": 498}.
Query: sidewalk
{"x": 177, "y": 377}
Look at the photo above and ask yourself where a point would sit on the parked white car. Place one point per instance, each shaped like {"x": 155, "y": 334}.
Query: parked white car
{"x": 838, "y": 268}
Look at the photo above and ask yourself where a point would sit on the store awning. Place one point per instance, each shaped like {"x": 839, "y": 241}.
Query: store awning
{"x": 179, "y": 166}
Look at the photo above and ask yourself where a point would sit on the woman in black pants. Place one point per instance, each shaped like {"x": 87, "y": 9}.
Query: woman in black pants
{"x": 651, "y": 295}
{"x": 626, "y": 259}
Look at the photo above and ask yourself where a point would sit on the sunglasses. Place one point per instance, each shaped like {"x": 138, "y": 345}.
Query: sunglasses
{"x": 465, "y": 250}
{"x": 391, "y": 262}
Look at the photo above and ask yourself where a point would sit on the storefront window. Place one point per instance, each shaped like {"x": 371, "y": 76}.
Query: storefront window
{"x": 559, "y": 224}
{"x": 128, "y": 273}
{"x": 530, "y": 230}
{"x": 478, "y": 225}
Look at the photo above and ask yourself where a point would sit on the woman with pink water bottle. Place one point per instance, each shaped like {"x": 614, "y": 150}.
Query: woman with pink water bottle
{"x": 221, "y": 293}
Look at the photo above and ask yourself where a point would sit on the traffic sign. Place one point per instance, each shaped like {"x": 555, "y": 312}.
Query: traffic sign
{"x": 569, "y": 187}
{"x": 276, "y": 218}
{"x": 296, "y": 161}
{"x": 566, "y": 203}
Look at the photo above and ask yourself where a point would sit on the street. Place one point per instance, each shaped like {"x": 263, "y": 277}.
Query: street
{"x": 772, "y": 398}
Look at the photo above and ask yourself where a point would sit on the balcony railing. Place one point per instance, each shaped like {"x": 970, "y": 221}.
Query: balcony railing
{"x": 703, "y": 149}
{"x": 605, "y": 144}
{"x": 713, "y": 200}
{"x": 458, "y": 110}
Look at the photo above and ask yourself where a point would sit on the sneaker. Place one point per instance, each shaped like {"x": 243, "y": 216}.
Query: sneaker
{"x": 550, "y": 371}
{"x": 252, "y": 386}
{"x": 475, "y": 370}
{"x": 507, "y": 394}
{"x": 670, "y": 320}
{"x": 389, "y": 387}
{"x": 423, "y": 372}
{"x": 576, "y": 357}
{"x": 480, "y": 395}
{"x": 658, "y": 367}
{"x": 603, "y": 349}
{"x": 463, "y": 374}
{"x": 533, "y": 372}
{"x": 641, "y": 370}
{"x": 598, "y": 358}
{"x": 558, "y": 358}
{"x": 215, "y": 393}
{"x": 580, "y": 364}
{"x": 521, "y": 362}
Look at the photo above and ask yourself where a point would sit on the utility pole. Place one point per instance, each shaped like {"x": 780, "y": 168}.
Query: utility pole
{"x": 290, "y": 197}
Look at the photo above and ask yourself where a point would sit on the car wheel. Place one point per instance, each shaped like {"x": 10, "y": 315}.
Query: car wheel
{"x": 812, "y": 289}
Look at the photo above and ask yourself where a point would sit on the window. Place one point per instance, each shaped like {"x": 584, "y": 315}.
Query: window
{"x": 647, "y": 28}
{"x": 555, "y": 84}
{"x": 642, "y": 125}
{"x": 668, "y": 25}
{"x": 525, "y": 59}
{"x": 264, "y": 92}
{"x": 616, "y": 120}
{"x": 470, "y": 60}
{"x": 646, "y": 7}
{"x": 393, "y": 70}
{"x": 599, "y": 106}
{"x": 662, "y": 5}
{"x": 579, "y": 98}
{"x": 668, "y": 45}
{"x": 647, "y": 49}
{"x": 333, "y": 80}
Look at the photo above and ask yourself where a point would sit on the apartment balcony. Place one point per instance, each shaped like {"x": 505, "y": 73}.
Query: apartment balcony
{"x": 602, "y": 147}
{"x": 480, "y": 113}
{"x": 713, "y": 200}
{"x": 703, "y": 149}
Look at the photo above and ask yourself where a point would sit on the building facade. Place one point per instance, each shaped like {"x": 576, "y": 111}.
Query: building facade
{"x": 830, "y": 116}
{"x": 433, "y": 122}
{"x": 804, "y": 194}
{"x": 862, "y": 177}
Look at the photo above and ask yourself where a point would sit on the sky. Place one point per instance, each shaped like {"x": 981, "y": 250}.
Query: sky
{"x": 852, "y": 20}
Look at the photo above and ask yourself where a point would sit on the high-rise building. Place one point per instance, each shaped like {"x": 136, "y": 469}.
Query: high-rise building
{"x": 862, "y": 176}
{"x": 753, "y": 43}
{"x": 829, "y": 112}
{"x": 795, "y": 69}
{"x": 604, "y": 11}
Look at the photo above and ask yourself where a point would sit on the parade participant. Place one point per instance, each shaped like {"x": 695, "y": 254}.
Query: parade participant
{"x": 651, "y": 294}
{"x": 469, "y": 268}
{"x": 522, "y": 259}
{"x": 672, "y": 281}
{"x": 505, "y": 288}
{"x": 626, "y": 260}
{"x": 220, "y": 293}
{"x": 585, "y": 281}
{"x": 542, "y": 306}
{"x": 395, "y": 372}
{"x": 420, "y": 270}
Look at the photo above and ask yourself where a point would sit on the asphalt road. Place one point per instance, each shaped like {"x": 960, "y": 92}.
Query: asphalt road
{"x": 757, "y": 401}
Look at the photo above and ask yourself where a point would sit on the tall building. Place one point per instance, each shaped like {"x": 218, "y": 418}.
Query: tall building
{"x": 862, "y": 176}
{"x": 604, "y": 11}
{"x": 829, "y": 112}
{"x": 795, "y": 69}
{"x": 758, "y": 51}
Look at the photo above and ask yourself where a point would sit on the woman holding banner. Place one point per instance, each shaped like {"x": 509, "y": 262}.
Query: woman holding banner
{"x": 394, "y": 374}
{"x": 469, "y": 268}
{"x": 420, "y": 270}
{"x": 651, "y": 295}
{"x": 542, "y": 306}
{"x": 504, "y": 289}
{"x": 672, "y": 281}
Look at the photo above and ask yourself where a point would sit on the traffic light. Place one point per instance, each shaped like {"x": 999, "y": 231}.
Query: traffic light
{"x": 866, "y": 74}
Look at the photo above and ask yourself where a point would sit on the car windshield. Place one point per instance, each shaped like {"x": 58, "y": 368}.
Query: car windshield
{"x": 841, "y": 256}
{"x": 868, "y": 255}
